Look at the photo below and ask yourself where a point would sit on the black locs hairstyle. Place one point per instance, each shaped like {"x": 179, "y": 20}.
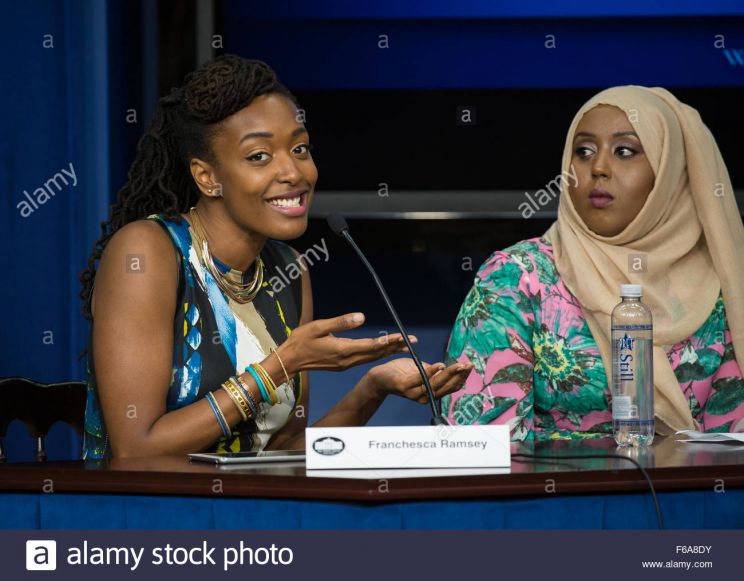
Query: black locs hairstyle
{"x": 159, "y": 179}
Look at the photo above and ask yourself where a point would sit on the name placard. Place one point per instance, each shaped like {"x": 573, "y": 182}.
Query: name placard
{"x": 407, "y": 447}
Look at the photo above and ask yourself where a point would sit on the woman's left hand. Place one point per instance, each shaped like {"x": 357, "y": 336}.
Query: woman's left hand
{"x": 401, "y": 377}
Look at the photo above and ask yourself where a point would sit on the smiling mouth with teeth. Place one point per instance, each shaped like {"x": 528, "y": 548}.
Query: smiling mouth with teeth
{"x": 287, "y": 202}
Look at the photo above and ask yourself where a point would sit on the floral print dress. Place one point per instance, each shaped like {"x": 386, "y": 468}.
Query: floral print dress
{"x": 537, "y": 366}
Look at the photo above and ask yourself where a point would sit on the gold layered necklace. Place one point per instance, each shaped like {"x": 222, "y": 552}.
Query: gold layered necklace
{"x": 240, "y": 292}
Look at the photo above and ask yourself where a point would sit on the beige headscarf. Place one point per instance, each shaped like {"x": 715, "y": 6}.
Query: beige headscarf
{"x": 689, "y": 230}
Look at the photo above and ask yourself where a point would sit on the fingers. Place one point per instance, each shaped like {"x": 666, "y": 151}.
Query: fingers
{"x": 398, "y": 338}
{"x": 366, "y": 350}
{"x": 322, "y": 327}
{"x": 409, "y": 383}
{"x": 432, "y": 370}
{"x": 395, "y": 338}
{"x": 447, "y": 380}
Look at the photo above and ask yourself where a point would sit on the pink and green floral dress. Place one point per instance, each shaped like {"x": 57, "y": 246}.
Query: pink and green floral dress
{"x": 538, "y": 368}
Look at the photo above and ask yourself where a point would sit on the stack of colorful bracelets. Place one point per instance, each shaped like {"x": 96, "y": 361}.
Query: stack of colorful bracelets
{"x": 241, "y": 396}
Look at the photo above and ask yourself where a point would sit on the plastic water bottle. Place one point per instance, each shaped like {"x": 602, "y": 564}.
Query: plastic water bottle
{"x": 632, "y": 369}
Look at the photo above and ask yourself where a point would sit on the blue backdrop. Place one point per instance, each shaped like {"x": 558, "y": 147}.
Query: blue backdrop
{"x": 65, "y": 140}
{"x": 383, "y": 44}
{"x": 55, "y": 102}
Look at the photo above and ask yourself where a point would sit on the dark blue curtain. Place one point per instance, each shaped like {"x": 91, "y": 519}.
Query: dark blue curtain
{"x": 54, "y": 150}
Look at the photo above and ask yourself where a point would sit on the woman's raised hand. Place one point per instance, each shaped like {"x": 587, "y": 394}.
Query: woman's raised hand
{"x": 313, "y": 345}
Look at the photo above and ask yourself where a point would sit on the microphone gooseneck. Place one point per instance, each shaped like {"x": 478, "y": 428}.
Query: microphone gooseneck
{"x": 338, "y": 224}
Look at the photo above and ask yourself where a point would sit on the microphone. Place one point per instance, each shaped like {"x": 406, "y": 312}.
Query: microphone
{"x": 340, "y": 227}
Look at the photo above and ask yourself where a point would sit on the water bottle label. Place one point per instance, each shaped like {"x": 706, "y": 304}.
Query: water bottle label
{"x": 622, "y": 408}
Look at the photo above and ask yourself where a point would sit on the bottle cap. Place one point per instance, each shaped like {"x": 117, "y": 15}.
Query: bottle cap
{"x": 631, "y": 290}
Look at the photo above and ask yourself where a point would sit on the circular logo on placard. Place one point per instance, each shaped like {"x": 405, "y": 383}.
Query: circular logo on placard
{"x": 328, "y": 446}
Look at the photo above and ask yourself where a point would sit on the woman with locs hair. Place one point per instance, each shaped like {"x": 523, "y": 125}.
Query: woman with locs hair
{"x": 652, "y": 204}
{"x": 195, "y": 344}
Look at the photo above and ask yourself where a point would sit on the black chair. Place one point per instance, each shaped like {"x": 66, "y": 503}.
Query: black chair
{"x": 38, "y": 406}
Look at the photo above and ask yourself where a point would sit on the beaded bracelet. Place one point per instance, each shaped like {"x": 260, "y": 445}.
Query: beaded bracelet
{"x": 242, "y": 388}
{"x": 248, "y": 396}
{"x": 218, "y": 413}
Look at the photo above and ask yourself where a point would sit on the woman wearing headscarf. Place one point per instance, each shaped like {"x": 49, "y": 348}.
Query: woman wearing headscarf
{"x": 651, "y": 204}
